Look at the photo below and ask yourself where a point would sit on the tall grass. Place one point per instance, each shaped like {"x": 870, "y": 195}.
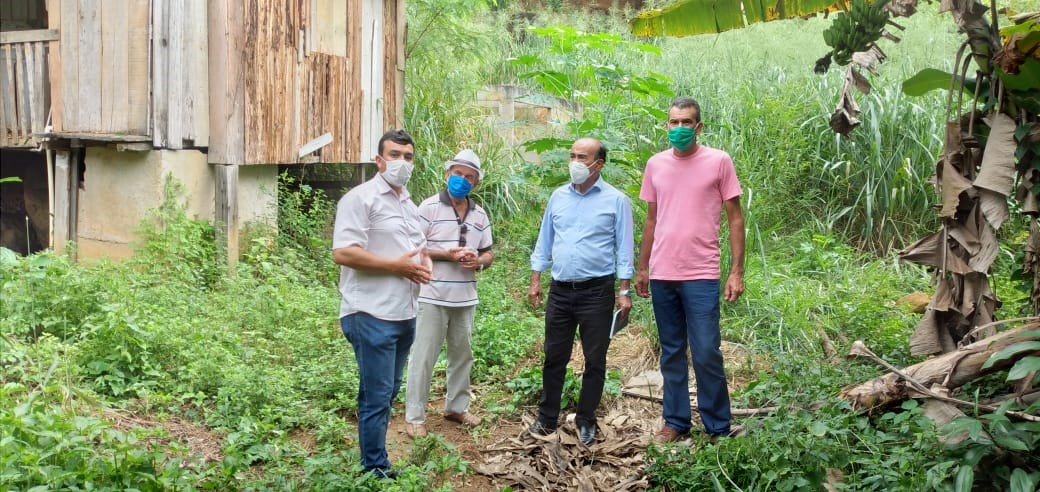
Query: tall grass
{"x": 761, "y": 102}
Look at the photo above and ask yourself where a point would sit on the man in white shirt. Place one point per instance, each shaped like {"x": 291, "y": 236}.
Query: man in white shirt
{"x": 378, "y": 243}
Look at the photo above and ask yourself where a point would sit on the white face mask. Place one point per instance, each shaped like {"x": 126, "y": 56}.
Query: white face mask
{"x": 579, "y": 172}
{"x": 398, "y": 172}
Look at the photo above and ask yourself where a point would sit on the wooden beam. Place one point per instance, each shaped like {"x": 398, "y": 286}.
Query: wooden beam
{"x": 160, "y": 76}
{"x": 69, "y": 54}
{"x": 226, "y": 43}
{"x": 89, "y": 62}
{"x": 225, "y": 211}
{"x": 75, "y": 156}
{"x": 61, "y": 210}
{"x": 96, "y": 137}
{"x": 115, "y": 56}
{"x": 54, "y": 64}
{"x": 175, "y": 72}
{"x": 134, "y": 147}
{"x": 29, "y": 36}
{"x": 138, "y": 97}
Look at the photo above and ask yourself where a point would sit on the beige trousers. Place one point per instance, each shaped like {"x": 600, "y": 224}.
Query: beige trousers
{"x": 435, "y": 325}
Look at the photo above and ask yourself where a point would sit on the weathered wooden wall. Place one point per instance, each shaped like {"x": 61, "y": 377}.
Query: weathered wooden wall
{"x": 393, "y": 64}
{"x": 24, "y": 85}
{"x": 180, "y": 92}
{"x": 287, "y": 72}
{"x": 103, "y": 73}
{"x": 298, "y": 63}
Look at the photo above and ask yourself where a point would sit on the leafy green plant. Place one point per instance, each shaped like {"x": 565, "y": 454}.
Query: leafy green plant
{"x": 994, "y": 451}
{"x": 799, "y": 449}
{"x": 185, "y": 247}
{"x": 618, "y": 105}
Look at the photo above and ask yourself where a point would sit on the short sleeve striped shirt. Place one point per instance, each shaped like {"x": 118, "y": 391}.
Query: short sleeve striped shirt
{"x": 451, "y": 284}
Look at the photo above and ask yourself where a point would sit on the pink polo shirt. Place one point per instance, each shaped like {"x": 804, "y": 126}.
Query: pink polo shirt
{"x": 689, "y": 192}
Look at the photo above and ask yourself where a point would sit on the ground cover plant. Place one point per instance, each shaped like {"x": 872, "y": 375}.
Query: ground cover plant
{"x": 112, "y": 374}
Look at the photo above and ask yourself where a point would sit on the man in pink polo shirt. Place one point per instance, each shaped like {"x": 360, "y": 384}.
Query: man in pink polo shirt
{"x": 686, "y": 188}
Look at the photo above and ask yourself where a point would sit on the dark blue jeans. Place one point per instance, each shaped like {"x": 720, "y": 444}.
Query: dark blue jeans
{"x": 687, "y": 314}
{"x": 381, "y": 350}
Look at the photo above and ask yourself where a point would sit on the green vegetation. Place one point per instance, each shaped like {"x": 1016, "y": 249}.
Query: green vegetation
{"x": 256, "y": 359}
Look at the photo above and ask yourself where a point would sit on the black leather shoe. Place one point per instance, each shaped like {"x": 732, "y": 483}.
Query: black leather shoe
{"x": 540, "y": 428}
{"x": 383, "y": 473}
{"x": 587, "y": 434}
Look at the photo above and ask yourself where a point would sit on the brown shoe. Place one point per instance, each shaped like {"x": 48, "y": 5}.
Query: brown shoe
{"x": 464, "y": 418}
{"x": 414, "y": 430}
{"x": 668, "y": 434}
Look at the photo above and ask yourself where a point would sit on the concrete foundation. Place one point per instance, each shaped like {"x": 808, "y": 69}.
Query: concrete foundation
{"x": 118, "y": 189}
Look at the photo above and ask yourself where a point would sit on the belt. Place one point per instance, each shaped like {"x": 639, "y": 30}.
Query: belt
{"x": 583, "y": 284}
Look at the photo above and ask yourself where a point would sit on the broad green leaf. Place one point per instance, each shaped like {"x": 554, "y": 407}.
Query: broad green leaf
{"x": 1010, "y": 441}
{"x": 690, "y": 17}
{"x": 525, "y": 60}
{"x": 961, "y": 424}
{"x": 930, "y": 79}
{"x": 1027, "y": 79}
{"x": 965, "y": 479}
{"x": 551, "y": 81}
{"x": 1030, "y": 334}
{"x": 818, "y": 429}
{"x": 1010, "y": 351}
{"x": 1023, "y": 367}
{"x": 1022, "y": 481}
{"x": 544, "y": 144}
{"x": 1023, "y": 28}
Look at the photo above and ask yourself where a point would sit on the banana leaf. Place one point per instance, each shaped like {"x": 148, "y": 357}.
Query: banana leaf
{"x": 690, "y": 17}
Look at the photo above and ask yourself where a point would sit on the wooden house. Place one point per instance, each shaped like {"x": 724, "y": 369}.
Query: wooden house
{"x": 102, "y": 99}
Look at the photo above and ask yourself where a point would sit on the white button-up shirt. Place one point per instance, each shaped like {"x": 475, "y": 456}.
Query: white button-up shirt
{"x": 385, "y": 224}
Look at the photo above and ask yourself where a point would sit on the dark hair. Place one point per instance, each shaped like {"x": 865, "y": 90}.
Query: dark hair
{"x": 397, "y": 136}
{"x": 683, "y": 102}
{"x": 602, "y": 152}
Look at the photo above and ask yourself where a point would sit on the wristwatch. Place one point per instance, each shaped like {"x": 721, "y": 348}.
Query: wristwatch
{"x": 625, "y": 292}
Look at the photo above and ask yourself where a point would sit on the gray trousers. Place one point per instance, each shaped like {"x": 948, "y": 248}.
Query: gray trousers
{"x": 433, "y": 326}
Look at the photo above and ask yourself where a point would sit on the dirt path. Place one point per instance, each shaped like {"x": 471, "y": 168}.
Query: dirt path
{"x": 503, "y": 454}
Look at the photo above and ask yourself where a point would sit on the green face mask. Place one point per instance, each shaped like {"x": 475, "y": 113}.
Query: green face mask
{"x": 681, "y": 137}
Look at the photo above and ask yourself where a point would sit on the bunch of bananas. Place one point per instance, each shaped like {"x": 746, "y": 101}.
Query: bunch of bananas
{"x": 855, "y": 30}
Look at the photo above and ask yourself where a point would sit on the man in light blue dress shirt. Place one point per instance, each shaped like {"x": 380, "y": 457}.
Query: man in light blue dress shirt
{"x": 586, "y": 237}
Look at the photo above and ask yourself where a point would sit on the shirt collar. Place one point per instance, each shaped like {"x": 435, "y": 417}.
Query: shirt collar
{"x": 446, "y": 199}
{"x": 598, "y": 185}
{"x": 384, "y": 187}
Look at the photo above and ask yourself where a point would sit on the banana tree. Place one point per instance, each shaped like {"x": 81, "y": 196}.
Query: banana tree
{"x": 990, "y": 163}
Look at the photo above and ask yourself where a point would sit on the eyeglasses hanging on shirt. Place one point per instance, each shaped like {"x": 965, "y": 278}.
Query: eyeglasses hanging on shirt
{"x": 463, "y": 230}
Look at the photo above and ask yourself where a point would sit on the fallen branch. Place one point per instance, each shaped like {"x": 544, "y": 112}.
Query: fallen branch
{"x": 861, "y": 350}
{"x": 952, "y": 370}
{"x": 739, "y": 412}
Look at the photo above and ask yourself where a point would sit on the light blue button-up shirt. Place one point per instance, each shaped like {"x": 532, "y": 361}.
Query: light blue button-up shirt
{"x": 585, "y": 236}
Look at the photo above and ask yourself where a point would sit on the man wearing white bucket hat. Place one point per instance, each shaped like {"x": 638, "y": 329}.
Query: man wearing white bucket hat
{"x": 458, "y": 234}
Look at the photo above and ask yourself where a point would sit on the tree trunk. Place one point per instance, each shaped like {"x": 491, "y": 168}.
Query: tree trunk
{"x": 951, "y": 370}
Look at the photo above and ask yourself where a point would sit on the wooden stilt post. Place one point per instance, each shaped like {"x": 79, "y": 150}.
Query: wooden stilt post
{"x": 66, "y": 197}
{"x": 225, "y": 211}
{"x": 226, "y": 44}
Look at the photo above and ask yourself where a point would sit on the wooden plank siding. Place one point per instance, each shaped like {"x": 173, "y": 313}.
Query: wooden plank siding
{"x": 180, "y": 88}
{"x": 24, "y": 86}
{"x": 295, "y": 84}
{"x": 393, "y": 64}
{"x": 100, "y": 76}
{"x": 147, "y": 67}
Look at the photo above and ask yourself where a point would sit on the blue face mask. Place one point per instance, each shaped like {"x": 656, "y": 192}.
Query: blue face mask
{"x": 458, "y": 187}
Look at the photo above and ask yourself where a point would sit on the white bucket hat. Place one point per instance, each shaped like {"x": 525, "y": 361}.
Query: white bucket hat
{"x": 466, "y": 157}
